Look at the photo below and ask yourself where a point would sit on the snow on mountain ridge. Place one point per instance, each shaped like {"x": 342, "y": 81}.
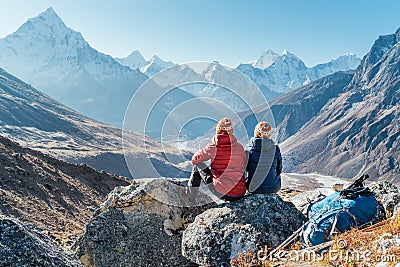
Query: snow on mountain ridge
{"x": 46, "y": 40}
{"x": 58, "y": 61}
{"x": 345, "y": 62}
{"x": 266, "y": 59}
{"x": 155, "y": 65}
{"x": 286, "y": 72}
{"x": 57, "y": 25}
{"x": 134, "y": 60}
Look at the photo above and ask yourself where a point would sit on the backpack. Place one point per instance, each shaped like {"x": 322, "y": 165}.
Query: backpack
{"x": 354, "y": 207}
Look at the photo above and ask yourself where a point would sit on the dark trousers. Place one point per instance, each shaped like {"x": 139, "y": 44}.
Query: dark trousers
{"x": 200, "y": 173}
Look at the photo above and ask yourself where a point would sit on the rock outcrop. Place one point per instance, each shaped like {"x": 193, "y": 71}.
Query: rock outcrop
{"x": 138, "y": 225}
{"x": 388, "y": 194}
{"x": 24, "y": 245}
{"x": 220, "y": 233}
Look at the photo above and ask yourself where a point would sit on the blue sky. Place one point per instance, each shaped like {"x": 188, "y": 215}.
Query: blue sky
{"x": 230, "y": 31}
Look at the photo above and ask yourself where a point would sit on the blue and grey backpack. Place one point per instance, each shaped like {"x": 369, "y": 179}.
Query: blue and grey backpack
{"x": 354, "y": 207}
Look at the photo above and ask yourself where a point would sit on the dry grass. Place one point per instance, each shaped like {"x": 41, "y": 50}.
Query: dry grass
{"x": 366, "y": 241}
{"x": 249, "y": 259}
{"x": 353, "y": 248}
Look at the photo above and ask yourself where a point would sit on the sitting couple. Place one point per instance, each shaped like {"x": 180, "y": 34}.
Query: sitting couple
{"x": 226, "y": 177}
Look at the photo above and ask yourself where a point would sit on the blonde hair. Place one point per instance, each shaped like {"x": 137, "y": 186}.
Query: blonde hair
{"x": 224, "y": 126}
{"x": 263, "y": 130}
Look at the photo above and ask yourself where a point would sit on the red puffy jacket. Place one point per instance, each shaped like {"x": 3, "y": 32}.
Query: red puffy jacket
{"x": 228, "y": 162}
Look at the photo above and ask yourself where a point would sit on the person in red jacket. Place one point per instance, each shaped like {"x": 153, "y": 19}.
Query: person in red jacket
{"x": 228, "y": 162}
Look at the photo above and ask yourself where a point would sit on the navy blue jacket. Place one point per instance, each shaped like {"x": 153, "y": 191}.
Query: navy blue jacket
{"x": 264, "y": 166}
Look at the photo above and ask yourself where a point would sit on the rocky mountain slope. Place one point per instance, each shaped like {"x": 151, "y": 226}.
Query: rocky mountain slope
{"x": 294, "y": 109}
{"x": 58, "y": 61}
{"x": 25, "y": 245}
{"x": 39, "y": 122}
{"x": 53, "y": 195}
{"x": 357, "y": 131}
{"x": 344, "y": 123}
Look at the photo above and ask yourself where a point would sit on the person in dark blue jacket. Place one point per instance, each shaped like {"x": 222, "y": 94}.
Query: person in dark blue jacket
{"x": 264, "y": 162}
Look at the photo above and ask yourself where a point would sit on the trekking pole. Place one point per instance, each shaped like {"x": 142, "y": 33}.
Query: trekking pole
{"x": 359, "y": 181}
{"x": 288, "y": 240}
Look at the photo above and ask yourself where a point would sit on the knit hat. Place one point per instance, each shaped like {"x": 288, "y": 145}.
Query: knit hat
{"x": 224, "y": 126}
{"x": 263, "y": 129}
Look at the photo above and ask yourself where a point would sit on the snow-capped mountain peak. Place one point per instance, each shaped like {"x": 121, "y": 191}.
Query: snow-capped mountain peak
{"x": 214, "y": 68}
{"x": 266, "y": 59}
{"x": 47, "y": 23}
{"x": 345, "y": 62}
{"x": 349, "y": 61}
{"x": 48, "y": 14}
{"x": 287, "y": 55}
{"x": 270, "y": 57}
{"x": 164, "y": 64}
{"x": 155, "y": 65}
{"x": 58, "y": 61}
{"x": 40, "y": 44}
{"x": 134, "y": 60}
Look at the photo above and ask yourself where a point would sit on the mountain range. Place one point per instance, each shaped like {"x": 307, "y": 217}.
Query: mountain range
{"x": 286, "y": 72}
{"x": 344, "y": 121}
{"x": 58, "y": 61}
{"x": 274, "y": 74}
{"x": 135, "y": 60}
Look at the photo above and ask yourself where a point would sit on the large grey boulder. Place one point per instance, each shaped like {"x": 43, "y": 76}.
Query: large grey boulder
{"x": 388, "y": 194}
{"x": 220, "y": 233}
{"x": 138, "y": 225}
{"x": 24, "y": 245}
{"x": 120, "y": 238}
